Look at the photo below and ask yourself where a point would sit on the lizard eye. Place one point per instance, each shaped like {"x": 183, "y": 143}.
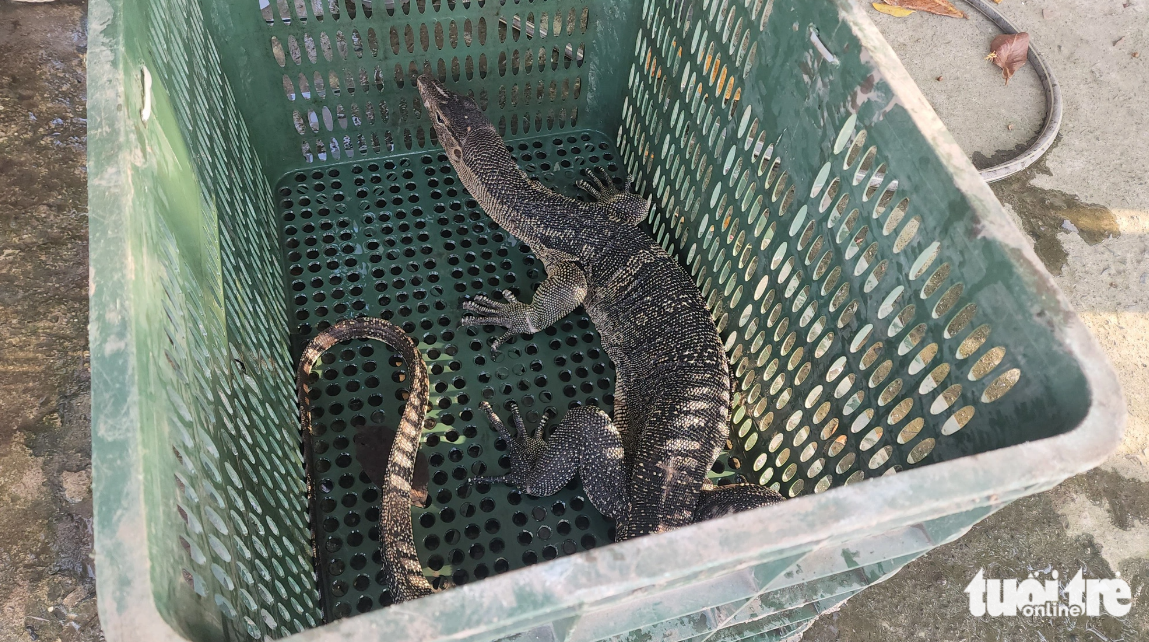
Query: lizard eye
{"x": 439, "y": 118}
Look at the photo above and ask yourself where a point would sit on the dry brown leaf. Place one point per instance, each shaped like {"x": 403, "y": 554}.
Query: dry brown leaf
{"x": 940, "y": 7}
{"x": 1009, "y": 51}
{"x": 891, "y": 10}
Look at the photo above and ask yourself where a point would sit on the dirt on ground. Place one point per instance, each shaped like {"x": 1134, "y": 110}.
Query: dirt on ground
{"x": 47, "y": 587}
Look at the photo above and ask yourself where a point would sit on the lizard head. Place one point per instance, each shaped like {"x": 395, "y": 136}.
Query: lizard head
{"x": 454, "y": 116}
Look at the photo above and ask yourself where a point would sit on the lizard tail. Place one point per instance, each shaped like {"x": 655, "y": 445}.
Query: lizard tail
{"x": 400, "y": 560}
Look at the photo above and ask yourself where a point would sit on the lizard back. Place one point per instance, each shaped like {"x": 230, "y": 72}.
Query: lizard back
{"x": 672, "y": 390}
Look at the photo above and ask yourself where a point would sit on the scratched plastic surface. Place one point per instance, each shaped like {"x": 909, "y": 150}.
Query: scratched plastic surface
{"x": 261, "y": 169}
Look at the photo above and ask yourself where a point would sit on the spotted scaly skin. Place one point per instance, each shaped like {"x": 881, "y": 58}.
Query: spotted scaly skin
{"x": 645, "y": 468}
{"x": 400, "y": 560}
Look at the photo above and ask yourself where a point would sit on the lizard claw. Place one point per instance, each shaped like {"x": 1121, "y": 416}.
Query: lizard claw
{"x": 586, "y": 187}
{"x": 540, "y": 431}
{"x": 514, "y": 315}
{"x": 481, "y": 303}
{"x": 600, "y": 185}
{"x": 623, "y": 204}
{"x": 491, "y": 320}
{"x": 517, "y": 420}
{"x": 497, "y": 343}
{"x": 524, "y": 450}
{"x": 603, "y": 185}
{"x": 497, "y": 422}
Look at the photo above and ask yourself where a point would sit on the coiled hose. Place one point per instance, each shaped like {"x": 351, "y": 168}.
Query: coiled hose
{"x": 1052, "y": 101}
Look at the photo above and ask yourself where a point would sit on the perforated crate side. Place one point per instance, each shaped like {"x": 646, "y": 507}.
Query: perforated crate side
{"x": 201, "y": 526}
{"x": 873, "y": 323}
{"x": 324, "y": 81}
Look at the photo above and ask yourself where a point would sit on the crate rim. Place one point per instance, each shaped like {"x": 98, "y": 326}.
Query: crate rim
{"x": 126, "y": 601}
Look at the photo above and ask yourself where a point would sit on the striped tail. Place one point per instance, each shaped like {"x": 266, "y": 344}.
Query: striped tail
{"x": 400, "y": 560}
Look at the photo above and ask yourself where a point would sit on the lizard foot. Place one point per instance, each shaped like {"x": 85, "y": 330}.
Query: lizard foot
{"x": 600, "y": 188}
{"x": 523, "y": 449}
{"x": 584, "y": 443}
{"x": 627, "y": 207}
{"x": 513, "y": 315}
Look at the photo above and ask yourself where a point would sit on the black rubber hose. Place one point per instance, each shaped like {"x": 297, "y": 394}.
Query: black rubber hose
{"x": 1052, "y": 100}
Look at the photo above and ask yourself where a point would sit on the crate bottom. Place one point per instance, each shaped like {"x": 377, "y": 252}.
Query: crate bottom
{"x": 399, "y": 238}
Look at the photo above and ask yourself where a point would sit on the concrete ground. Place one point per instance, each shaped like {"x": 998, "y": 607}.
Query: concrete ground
{"x": 47, "y": 586}
{"x": 1086, "y": 206}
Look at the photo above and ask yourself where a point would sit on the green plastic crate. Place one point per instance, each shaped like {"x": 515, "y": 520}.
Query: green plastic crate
{"x": 260, "y": 171}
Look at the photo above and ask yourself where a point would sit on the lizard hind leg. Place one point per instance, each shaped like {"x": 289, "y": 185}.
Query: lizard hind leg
{"x": 719, "y": 501}
{"x": 585, "y": 442}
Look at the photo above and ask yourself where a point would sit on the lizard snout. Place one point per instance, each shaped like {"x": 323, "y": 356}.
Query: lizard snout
{"x": 430, "y": 89}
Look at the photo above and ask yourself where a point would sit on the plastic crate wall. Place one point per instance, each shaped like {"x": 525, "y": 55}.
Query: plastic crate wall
{"x": 196, "y": 369}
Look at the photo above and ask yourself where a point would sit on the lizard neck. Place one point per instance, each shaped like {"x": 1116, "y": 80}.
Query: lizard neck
{"x": 525, "y": 209}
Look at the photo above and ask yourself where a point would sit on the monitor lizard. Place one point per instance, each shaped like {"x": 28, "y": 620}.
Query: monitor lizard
{"x": 645, "y": 467}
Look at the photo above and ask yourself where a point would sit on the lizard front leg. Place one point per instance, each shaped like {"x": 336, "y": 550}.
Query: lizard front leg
{"x": 585, "y": 442}
{"x": 623, "y": 205}
{"x": 563, "y": 290}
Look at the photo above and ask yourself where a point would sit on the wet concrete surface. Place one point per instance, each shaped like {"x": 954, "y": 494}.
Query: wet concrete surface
{"x": 1033, "y": 535}
{"x": 1085, "y": 206}
{"x": 1047, "y": 214}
